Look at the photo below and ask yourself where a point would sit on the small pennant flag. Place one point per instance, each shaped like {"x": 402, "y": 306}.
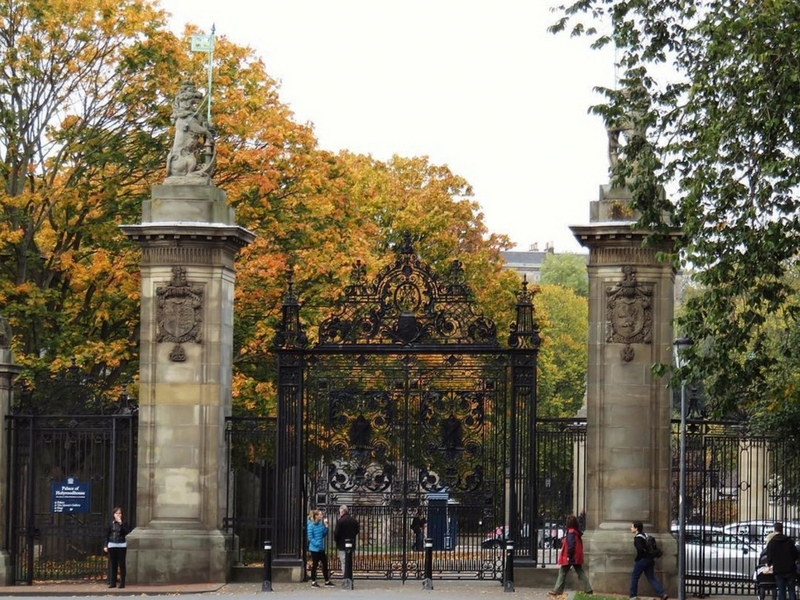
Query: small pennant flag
{"x": 202, "y": 43}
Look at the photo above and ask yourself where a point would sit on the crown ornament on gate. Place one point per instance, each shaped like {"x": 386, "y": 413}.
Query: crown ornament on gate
{"x": 407, "y": 303}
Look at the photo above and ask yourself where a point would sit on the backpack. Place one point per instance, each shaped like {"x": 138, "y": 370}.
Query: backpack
{"x": 651, "y": 546}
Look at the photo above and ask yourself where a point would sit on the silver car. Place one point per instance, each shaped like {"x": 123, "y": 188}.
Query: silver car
{"x": 714, "y": 553}
{"x": 757, "y": 531}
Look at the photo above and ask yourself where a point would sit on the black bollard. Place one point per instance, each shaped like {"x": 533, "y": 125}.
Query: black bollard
{"x": 508, "y": 575}
{"x": 266, "y": 585}
{"x": 427, "y": 582}
{"x": 348, "y": 565}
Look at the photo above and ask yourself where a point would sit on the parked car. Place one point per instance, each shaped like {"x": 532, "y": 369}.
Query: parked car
{"x": 757, "y": 531}
{"x": 549, "y": 535}
{"x": 714, "y": 553}
{"x": 498, "y": 536}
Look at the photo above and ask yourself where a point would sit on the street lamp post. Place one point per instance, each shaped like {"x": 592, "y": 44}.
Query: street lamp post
{"x": 681, "y": 345}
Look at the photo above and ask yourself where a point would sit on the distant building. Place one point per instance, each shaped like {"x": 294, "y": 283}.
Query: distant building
{"x": 528, "y": 263}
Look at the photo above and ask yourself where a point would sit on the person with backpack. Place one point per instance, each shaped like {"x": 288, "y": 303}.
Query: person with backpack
{"x": 571, "y": 555}
{"x": 782, "y": 557}
{"x": 646, "y": 554}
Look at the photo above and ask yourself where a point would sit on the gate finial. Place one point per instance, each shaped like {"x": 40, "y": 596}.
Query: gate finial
{"x": 290, "y": 334}
{"x": 525, "y": 330}
{"x": 407, "y": 247}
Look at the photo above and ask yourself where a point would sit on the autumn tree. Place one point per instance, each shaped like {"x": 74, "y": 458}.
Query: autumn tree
{"x": 360, "y": 210}
{"x": 85, "y": 102}
{"x": 712, "y": 89}
{"x": 79, "y": 137}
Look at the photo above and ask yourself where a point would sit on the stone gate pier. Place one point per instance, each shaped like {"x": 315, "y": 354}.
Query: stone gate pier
{"x": 189, "y": 241}
{"x": 631, "y": 301}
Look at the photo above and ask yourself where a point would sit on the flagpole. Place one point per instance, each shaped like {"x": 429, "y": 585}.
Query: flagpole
{"x": 205, "y": 43}
{"x": 210, "y": 71}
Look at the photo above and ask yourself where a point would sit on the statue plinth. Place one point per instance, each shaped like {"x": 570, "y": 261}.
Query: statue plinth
{"x": 189, "y": 243}
{"x": 612, "y": 205}
{"x": 192, "y": 203}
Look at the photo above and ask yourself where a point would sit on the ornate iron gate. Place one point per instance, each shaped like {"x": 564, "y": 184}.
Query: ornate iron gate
{"x": 406, "y": 404}
{"x": 393, "y": 434}
{"x": 71, "y": 458}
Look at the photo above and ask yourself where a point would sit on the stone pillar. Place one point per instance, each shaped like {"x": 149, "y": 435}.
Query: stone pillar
{"x": 8, "y": 370}
{"x": 753, "y": 496}
{"x": 189, "y": 241}
{"x": 628, "y": 410}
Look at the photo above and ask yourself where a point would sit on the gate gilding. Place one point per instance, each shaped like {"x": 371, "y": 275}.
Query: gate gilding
{"x": 408, "y": 402}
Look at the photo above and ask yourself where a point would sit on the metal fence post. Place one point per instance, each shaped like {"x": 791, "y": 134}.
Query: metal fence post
{"x": 348, "y": 565}
{"x": 427, "y": 582}
{"x": 266, "y": 585}
{"x": 508, "y": 576}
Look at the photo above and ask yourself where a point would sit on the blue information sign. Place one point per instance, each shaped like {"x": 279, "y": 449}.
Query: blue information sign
{"x": 70, "y": 496}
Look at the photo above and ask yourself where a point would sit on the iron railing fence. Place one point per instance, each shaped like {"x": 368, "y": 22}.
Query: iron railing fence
{"x": 66, "y": 473}
{"x": 561, "y": 477}
{"x": 250, "y": 485}
{"x": 737, "y": 486}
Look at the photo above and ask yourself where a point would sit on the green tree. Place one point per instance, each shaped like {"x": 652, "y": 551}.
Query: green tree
{"x": 567, "y": 270}
{"x": 710, "y": 91}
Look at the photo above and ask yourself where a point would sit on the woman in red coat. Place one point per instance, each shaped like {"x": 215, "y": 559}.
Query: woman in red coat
{"x": 571, "y": 555}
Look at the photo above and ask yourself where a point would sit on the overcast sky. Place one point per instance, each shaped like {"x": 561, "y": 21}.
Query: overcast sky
{"x": 478, "y": 85}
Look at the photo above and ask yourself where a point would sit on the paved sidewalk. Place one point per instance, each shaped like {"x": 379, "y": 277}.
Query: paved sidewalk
{"x": 383, "y": 589}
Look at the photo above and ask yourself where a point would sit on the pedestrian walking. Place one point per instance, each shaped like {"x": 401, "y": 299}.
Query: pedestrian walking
{"x": 643, "y": 563}
{"x": 317, "y": 531}
{"x": 571, "y": 556}
{"x": 782, "y": 557}
{"x": 117, "y": 548}
{"x": 346, "y": 529}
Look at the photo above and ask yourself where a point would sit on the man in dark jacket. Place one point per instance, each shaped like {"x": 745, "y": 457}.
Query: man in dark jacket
{"x": 346, "y": 529}
{"x": 782, "y": 557}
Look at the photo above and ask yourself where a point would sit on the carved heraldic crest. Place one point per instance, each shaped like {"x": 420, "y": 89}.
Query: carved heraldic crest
{"x": 629, "y": 313}
{"x": 179, "y": 313}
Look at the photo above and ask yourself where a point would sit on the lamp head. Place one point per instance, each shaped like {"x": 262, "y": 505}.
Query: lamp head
{"x": 681, "y": 345}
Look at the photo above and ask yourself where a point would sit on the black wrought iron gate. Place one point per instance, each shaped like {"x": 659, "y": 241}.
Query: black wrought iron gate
{"x": 395, "y": 434}
{"x": 71, "y": 458}
{"x": 409, "y": 405}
